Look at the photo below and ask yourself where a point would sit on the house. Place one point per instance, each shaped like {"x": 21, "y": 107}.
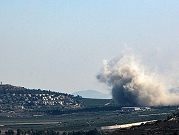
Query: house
{"x": 130, "y": 109}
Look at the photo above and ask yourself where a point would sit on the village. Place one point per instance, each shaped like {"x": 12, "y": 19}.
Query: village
{"x": 19, "y": 101}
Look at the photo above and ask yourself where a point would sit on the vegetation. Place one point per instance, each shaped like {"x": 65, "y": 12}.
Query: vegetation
{"x": 45, "y": 112}
{"x": 159, "y": 127}
{"x": 83, "y": 120}
{"x": 174, "y": 115}
{"x": 19, "y": 101}
{"x": 51, "y": 132}
{"x": 168, "y": 126}
{"x": 87, "y": 102}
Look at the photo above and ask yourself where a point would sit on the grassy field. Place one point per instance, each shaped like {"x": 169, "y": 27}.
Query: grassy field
{"x": 97, "y": 102}
{"x": 84, "y": 120}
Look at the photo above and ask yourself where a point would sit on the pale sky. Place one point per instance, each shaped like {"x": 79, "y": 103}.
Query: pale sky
{"x": 60, "y": 45}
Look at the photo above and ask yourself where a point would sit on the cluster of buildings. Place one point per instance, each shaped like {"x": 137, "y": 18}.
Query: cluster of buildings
{"x": 15, "y": 99}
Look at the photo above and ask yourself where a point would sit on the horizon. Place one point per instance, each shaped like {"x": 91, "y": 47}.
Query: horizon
{"x": 61, "y": 45}
{"x": 86, "y": 93}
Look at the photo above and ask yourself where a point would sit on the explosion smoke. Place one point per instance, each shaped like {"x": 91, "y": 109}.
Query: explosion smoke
{"x": 133, "y": 85}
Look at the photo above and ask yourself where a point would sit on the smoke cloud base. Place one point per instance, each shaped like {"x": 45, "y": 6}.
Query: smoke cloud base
{"x": 132, "y": 85}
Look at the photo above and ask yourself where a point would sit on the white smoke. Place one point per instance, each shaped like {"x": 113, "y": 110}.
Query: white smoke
{"x": 133, "y": 85}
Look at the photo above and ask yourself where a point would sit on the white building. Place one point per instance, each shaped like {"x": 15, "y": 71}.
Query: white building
{"x": 145, "y": 108}
{"x": 130, "y": 109}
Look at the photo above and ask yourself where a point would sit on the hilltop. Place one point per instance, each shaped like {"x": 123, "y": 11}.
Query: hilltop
{"x": 15, "y": 100}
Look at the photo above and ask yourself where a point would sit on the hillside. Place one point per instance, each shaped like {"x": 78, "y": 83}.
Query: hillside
{"x": 17, "y": 100}
{"x": 160, "y": 127}
{"x": 22, "y": 108}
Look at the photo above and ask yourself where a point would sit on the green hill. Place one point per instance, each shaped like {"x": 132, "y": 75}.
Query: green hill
{"x": 18, "y": 101}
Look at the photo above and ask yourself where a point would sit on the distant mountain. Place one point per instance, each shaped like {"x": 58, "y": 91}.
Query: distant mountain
{"x": 92, "y": 94}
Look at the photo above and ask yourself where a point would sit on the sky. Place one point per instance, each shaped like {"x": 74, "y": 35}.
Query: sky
{"x": 60, "y": 45}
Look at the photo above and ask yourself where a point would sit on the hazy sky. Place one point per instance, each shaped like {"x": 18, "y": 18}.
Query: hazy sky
{"x": 60, "y": 44}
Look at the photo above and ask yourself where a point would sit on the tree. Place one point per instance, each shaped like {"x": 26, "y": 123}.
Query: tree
{"x": 18, "y": 131}
{"x": 64, "y": 133}
{"x": 9, "y": 132}
{"x": 93, "y": 132}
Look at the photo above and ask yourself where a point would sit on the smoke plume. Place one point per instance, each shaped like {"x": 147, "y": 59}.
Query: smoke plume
{"x": 133, "y": 85}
